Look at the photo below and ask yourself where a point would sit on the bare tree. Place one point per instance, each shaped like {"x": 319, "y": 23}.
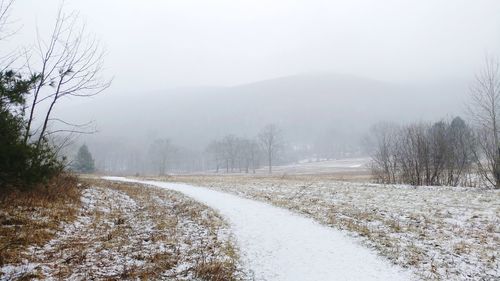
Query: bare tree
{"x": 68, "y": 63}
{"x": 485, "y": 112}
{"x": 215, "y": 149}
{"x": 160, "y": 152}
{"x": 247, "y": 154}
{"x": 384, "y": 142}
{"x": 254, "y": 153}
{"x": 230, "y": 151}
{"x": 271, "y": 141}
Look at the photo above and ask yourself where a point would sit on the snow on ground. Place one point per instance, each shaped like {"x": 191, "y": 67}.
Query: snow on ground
{"x": 441, "y": 233}
{"x": 322, "y": 166}
{"x": 278, "y": 245}
{"x": 127, "y": 232}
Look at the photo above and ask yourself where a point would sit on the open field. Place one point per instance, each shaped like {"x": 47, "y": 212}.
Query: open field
{"x": 346, "y": 168}
{"x": 276, "y": 244}
{"x": 441, "y": 233}
{"x": 121, "y": 231}
{"x": 109, "y": 230}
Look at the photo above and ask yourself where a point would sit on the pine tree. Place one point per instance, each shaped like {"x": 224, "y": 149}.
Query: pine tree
{"x": 84, "y": 163}
{"x": 20, "y": 162}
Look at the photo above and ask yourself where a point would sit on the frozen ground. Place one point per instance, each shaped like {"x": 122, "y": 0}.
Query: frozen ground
{"x": 126, "y": 232}
{"x": 278, "y": 245}
{"x": 440, "y": 233}
{"x": 351, "y": 168}
{"x": 322, "y": 166}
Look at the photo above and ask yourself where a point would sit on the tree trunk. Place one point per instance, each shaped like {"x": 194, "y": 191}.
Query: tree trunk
{"x": 496, "y": 172}
{"x": 270, "y": 163}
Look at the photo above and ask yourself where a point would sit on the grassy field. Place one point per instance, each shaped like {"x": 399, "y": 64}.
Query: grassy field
{"x": 441, "y": 233}
{"x": 114, "y": 231}
{"x": 32, "y": 218}
{"x": 96, "y": 229}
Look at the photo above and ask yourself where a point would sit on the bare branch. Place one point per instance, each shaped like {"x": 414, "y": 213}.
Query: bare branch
{"x": 484, "y": 110}
{"x": 70, "y": 64}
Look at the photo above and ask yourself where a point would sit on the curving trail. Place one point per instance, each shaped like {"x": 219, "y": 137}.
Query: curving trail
{"x": 276, "y": 244}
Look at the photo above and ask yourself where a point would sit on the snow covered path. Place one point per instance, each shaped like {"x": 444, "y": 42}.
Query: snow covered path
{"x": 276, "y": 244}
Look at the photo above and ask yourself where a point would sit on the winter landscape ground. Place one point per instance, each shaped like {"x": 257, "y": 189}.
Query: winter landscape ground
{"x": 117, "y": 231}
{"x": 256, "y": 227}
{"x": 289, "y": 226}
{"x": 278, "y": 245}
{"x": 439, "y": 233}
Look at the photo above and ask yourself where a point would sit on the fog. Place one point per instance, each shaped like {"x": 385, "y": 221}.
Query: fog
{"x": 322, "y": 71}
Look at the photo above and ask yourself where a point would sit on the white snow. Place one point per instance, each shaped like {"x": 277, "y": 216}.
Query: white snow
{"x": 322, "y": 166}
{"x": 276, "y": 244}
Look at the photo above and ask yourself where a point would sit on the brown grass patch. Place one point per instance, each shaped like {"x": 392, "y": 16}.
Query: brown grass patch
{"x": 215, "y": 271}
{"x": 120, "y": 231}
{"x": 212, "y": 258}
{"x": 32, "y": 217}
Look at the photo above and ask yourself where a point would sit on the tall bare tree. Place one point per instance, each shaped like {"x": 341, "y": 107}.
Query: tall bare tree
{"x": 68, "y": 63}
{"x": 161, "y": 151}
{"x": 485, "y": 112}
{"x": 271, "y": 141}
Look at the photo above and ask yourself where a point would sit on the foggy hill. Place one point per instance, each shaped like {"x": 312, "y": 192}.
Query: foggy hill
{"x": 304, "y": 106}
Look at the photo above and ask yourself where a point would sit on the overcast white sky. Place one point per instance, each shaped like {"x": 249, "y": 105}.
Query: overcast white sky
{"x": 158, "y": 44}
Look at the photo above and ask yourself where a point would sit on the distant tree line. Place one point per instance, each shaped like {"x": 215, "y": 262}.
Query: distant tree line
{"x": 446, "y": 153}
{"x": 235, "y": 154}
{"x": 232, "y": 154}
{"x": 163, "y": 156}
{"x": 440, "y": 153}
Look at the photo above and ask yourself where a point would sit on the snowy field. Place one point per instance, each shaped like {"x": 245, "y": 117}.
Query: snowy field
{"x": 321, "y": 166}
{"x": 128, "y": 232}
{"x": 231, "y": 229}
{"x": 278, "y": 245}
{"x": 440, "y": 233}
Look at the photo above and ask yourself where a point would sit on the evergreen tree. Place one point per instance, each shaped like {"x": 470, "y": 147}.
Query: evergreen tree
{"x": 20, "y": 162}
{"x": 84, "y": 163}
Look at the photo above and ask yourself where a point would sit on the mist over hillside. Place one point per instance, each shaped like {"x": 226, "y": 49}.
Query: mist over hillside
{"x": 306, "y": 107}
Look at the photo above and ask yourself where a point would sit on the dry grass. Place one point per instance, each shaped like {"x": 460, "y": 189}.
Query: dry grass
{"x": 32, "y": 217}
{"x": 126, "y": 231}
{"x": 441, "y": 233}
{"x": 201, "y": 238}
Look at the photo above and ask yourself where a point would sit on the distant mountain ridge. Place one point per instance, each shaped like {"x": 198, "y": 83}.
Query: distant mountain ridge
{"x": 303, "y": 105}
